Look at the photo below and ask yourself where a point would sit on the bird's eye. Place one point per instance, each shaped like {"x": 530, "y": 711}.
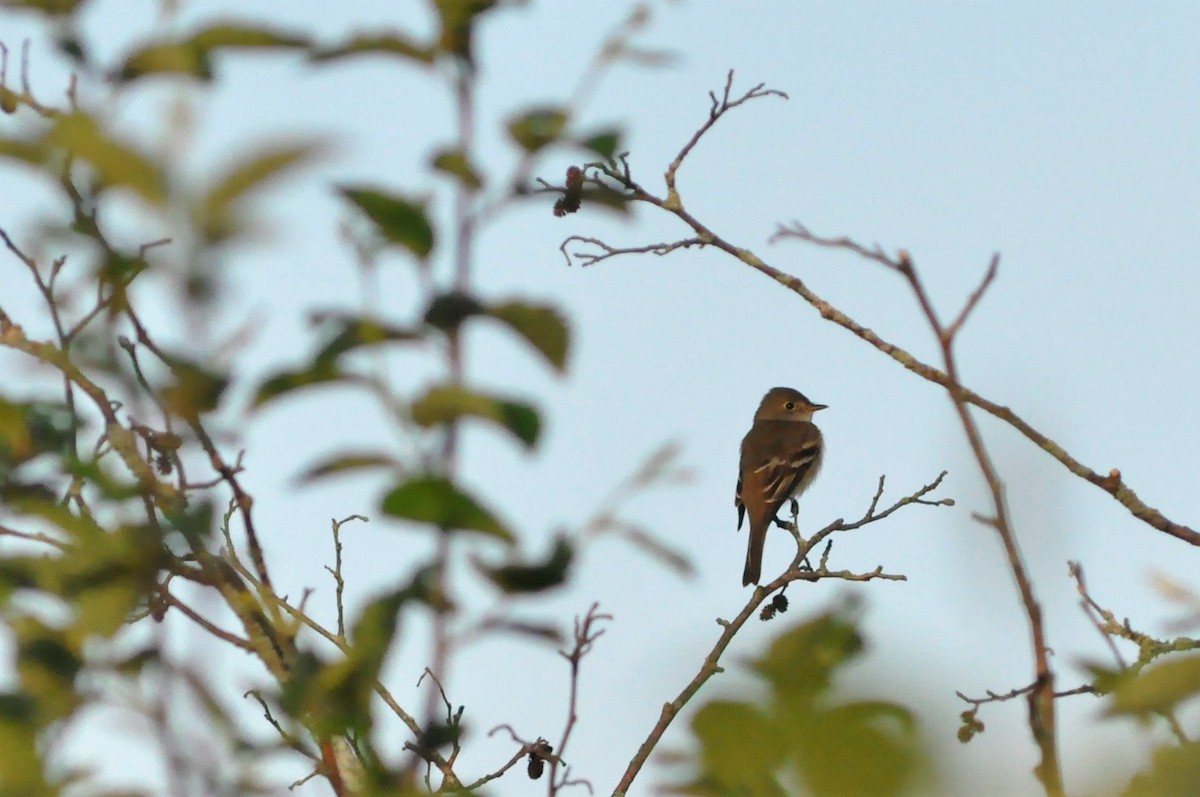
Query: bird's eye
{"x": 791, "y": 405}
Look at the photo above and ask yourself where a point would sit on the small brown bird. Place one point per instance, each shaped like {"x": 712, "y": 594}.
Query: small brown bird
{"x": 781, "y": 455}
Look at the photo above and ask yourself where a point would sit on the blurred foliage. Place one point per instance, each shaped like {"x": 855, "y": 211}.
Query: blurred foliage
{"x": 800, "y": 738}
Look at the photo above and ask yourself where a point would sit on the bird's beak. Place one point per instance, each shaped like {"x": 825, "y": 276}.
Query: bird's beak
{"x": 816, "y": 407}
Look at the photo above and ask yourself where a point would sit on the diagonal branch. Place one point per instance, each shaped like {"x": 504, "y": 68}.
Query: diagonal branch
{"x": 711, "y": 664}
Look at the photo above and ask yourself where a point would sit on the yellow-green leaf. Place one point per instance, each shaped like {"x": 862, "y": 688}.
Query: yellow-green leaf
{"x": 398, "y": 219}
{"x": 454, "y": 162}
{"x": 443, "y": 404}
{"x": 348, "y": 462}
{"x": 343, "y": 333}
{"x": 239, "y": 36}
{"x": 252, "y": 171}
{"x": 540, "y": 325}
{"x": 537, "y": 128}
{"x": 395, "y": 44}
{"x": 1160, "y": 687}
{"x": 288, "y": 381}
{"x": 166, "y": 58}
{"x": 116, "y": 163}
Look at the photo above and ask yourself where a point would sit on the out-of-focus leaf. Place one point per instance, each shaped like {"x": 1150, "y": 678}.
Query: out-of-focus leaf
{"x": 540, "y": 325}
{"x": 394, "y": 44}
{"x": 166, "y": 58}
{"x": 252, "y": 171}
{"x": 21, "y": 753}
{"x": 648, "y": 543}
{"x": 52, "y": 8}
{"x": 47, "y": 665}
{"x": 398, "y": 219}
{"x": 29, "y": 152}
{"x": 740, "y": 748}
{"x": 192, "y": 56}
{"x": 343, "y": 333}
{"x": 448, "y": 403}
{"x": 546, "y": 633}
{"x": 1174, "y": 773}
{"x": 194, "y": 389}
{"x": 800, "y": 736}
{"x": 537, "y": 577}
{"x": 800, "y": 664}
{"x": 448, "y": 310}
{"x": 437, "y": 500}
{"x": 857, "y": 748}
{"x": 606, "y": 143}
{"x": 454, "y": 162}
{"x": 458, "y": 24}
{"x": 29, "y": 430}
{"x": 230, "y": 35}
{"x": 1158, "y": 688}
{"x": 535, "y": 129}
{"x": 283, "y": 382}
{"x": 116, "y": 164}
{"x": 623, "y": 51}
{"x": 347, "y": 463}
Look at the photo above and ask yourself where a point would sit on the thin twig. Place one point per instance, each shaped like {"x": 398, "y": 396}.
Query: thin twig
{"x": 586, "y": 634}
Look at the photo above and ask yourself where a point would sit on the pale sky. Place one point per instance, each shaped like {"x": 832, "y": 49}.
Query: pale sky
{"x": 1061, "y": 135}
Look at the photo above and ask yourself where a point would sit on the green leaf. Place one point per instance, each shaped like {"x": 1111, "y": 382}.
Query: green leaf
{"x": 447, "y": 311}
{"x": 540, "y": 325}
{"x": 399, "y": 220}
{"x": 1174, "y": 773}
{"x": 347, "y": 462}
{"x": 343, "y": 333}
{"x": 50, "y": 7}
{"x": 537, "y": 577}
{"x": 281, "y": 383}
{"x": 457, "y": 24}
{"x": 194, "y": 389}
{"x": 252, "y": 171}
{"x": 29, "y": 152}
{"x": 116, "y": 164}
{"x": 454, "y": 162}
{"x": 441, "y": 405}
{"x": 241, "y": 36}
{"x": 801, "y": 663}
{"x": 1159, "y": 688}
{"x": 22, "y": 753}
{"x": 166, "y": 58}
{"x": 437, "y": 500}
{"x": 535, "y": 129}
{"x": 191, "y": 57}
{"x": 28, "y": 430}
{"x": 395, "y": 44}
{"x": 605, "y": 143}
{"x": 740, "y": 747}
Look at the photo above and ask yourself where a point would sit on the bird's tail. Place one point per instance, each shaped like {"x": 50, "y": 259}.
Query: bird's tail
{"x": 754, "y": 553}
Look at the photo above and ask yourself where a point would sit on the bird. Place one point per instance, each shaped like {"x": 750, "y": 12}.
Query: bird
{"x": 780, "y": 457}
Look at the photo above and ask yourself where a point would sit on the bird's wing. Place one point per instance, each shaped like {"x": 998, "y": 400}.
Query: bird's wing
{"x": 785, "y": 470}
{"x": 739, "y": 503}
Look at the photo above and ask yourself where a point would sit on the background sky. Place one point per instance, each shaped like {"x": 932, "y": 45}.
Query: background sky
{"x": 1061, "y": 135}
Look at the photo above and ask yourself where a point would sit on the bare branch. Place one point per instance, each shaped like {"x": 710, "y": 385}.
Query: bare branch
{"x": 606, "y": 251}
{"x": 719, "y": 108}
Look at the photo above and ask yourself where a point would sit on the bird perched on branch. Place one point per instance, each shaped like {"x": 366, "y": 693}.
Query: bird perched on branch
{"x": 781, "y": 455}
